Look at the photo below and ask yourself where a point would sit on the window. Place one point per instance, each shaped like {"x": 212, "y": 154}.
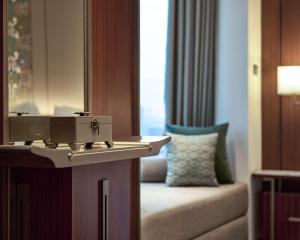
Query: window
{"x": 153, "y": 38}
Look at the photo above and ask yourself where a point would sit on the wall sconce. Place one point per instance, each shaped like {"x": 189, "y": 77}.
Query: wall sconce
{"x": 288, "y": 81}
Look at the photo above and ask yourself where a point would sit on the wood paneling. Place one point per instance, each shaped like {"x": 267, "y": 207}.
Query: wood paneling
{"x": 290, "y": 55}
{"x": 290, "y": 32}
{"x": 115, "y": 63}
{"x": 64, "y": 203}
{"x": 286, "y": 206}
{"x": 1, "y": 205}
{"x": 290, "y": 134}
{"x": 5, "y": 191}
{"x": 271, "y": 121}
{"x": 49, "y": 202}
{"x": 135, "y": 202}
{"x": 85, "y": 189}
{"x": 281, "y": 46}
{"x": 2, "y": 74}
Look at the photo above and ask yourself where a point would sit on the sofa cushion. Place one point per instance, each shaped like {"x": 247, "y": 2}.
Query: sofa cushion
{"x": 181, "y": 213}
{"x": 234, "y": 230}
{"x": 222, "y": 166}
{"x": 153, "y": 169}
{"x": 191, "y": 160}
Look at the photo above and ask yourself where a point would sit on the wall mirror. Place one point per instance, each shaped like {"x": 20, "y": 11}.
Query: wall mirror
{"x": 47, "y": 56}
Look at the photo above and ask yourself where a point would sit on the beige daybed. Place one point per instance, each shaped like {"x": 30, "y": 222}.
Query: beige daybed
{"x": 193, "y": 213}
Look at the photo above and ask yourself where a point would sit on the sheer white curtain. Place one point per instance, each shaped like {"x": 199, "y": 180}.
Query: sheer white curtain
{"x": 153, "y": 35}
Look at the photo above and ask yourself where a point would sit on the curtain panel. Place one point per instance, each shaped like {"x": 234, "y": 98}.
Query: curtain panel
{"x": 190, "y": 78}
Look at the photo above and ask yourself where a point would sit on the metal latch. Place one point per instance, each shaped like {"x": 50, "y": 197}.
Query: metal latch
{"x": 95, "y": 125}
{"x": 19, "y": 114}
{"x": 82, "y": 114}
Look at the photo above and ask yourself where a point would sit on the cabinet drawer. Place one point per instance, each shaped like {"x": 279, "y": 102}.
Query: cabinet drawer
{"x": 287, "y": 216}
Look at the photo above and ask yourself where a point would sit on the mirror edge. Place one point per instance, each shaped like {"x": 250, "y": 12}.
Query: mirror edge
{"x": 88, "y": 55}
{"x": 5, "y": 74}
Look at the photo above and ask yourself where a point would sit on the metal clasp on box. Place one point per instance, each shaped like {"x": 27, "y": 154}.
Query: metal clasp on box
{"x": 95, "y": 125}
{"x": 19, "y": 114}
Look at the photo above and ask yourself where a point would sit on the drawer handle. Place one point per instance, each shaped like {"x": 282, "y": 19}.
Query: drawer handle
{"x": 104, "y": 209}
{"x": 294, "y": 220}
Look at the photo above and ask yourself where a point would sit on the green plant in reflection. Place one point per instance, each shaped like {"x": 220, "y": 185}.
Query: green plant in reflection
{"x": 19, "y": 52}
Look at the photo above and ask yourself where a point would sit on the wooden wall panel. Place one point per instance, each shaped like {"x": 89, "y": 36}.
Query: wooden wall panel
{"x": 1, "y": 206}
{"x": 281, "y": 46}
{"x": 115, "y": 63}
{"x": 290, "y": 32}
{"x": 271, "y": 122}
{"x": 290, "y": 55}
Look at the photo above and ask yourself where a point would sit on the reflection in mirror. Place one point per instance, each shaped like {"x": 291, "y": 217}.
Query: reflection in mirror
{"x": 46, "y": 71}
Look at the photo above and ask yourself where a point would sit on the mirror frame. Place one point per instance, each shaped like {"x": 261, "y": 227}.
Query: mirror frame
{"x": 5, "y": 73}
{"x": 88, "y": 55}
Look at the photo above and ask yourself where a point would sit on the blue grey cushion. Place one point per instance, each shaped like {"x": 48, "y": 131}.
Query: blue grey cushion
{"x": 191, "y": 160}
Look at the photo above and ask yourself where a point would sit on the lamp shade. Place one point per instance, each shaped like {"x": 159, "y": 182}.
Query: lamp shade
{"x": 288, "y": 80}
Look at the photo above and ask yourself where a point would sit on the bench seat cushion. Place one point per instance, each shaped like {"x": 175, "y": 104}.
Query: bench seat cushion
{"x": 182, "y": 213}
{"x": 234, "y": 230}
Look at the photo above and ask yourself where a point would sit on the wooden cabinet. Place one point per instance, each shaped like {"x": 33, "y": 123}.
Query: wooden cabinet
{"x": 69, "y": 195}
{"x": 286, "y": 216}
{"x": 82, "y": 203}
{"x": 278, "y": 210}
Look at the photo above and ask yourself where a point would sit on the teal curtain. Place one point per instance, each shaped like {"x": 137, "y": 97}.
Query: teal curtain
{"x": 190, "y": 80}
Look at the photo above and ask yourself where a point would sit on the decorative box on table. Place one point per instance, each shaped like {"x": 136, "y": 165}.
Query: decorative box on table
{"x": 78, "y": 130}
{"x": 29, "y": 129}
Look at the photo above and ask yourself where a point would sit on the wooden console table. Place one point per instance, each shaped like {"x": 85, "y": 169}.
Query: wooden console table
{"x": 62, "y": 194}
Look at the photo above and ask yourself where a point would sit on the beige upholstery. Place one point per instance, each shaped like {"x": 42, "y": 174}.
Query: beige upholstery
{"x": 183, "y": 213}
{"x": 234, "y": 230}
{"x": 153, "y": 169}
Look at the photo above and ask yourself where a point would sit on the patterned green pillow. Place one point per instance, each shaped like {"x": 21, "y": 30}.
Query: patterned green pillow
{"x": 191, "y": 160}
{"x": 222, "y": 166}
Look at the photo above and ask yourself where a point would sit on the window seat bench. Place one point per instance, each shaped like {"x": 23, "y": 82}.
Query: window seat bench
{"x": 194, "y": 213}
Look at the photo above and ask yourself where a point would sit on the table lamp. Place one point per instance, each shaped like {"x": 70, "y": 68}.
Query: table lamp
{"x": 288, "y": 81}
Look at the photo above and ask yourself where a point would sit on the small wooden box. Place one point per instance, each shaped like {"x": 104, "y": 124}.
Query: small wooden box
{"x": 29, "y": 128}
{"x": 81, "y": 130}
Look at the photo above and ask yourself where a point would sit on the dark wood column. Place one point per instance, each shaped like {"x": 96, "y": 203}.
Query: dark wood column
{"x": 115, "y": 77}
{"x": 115, "y": 51}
